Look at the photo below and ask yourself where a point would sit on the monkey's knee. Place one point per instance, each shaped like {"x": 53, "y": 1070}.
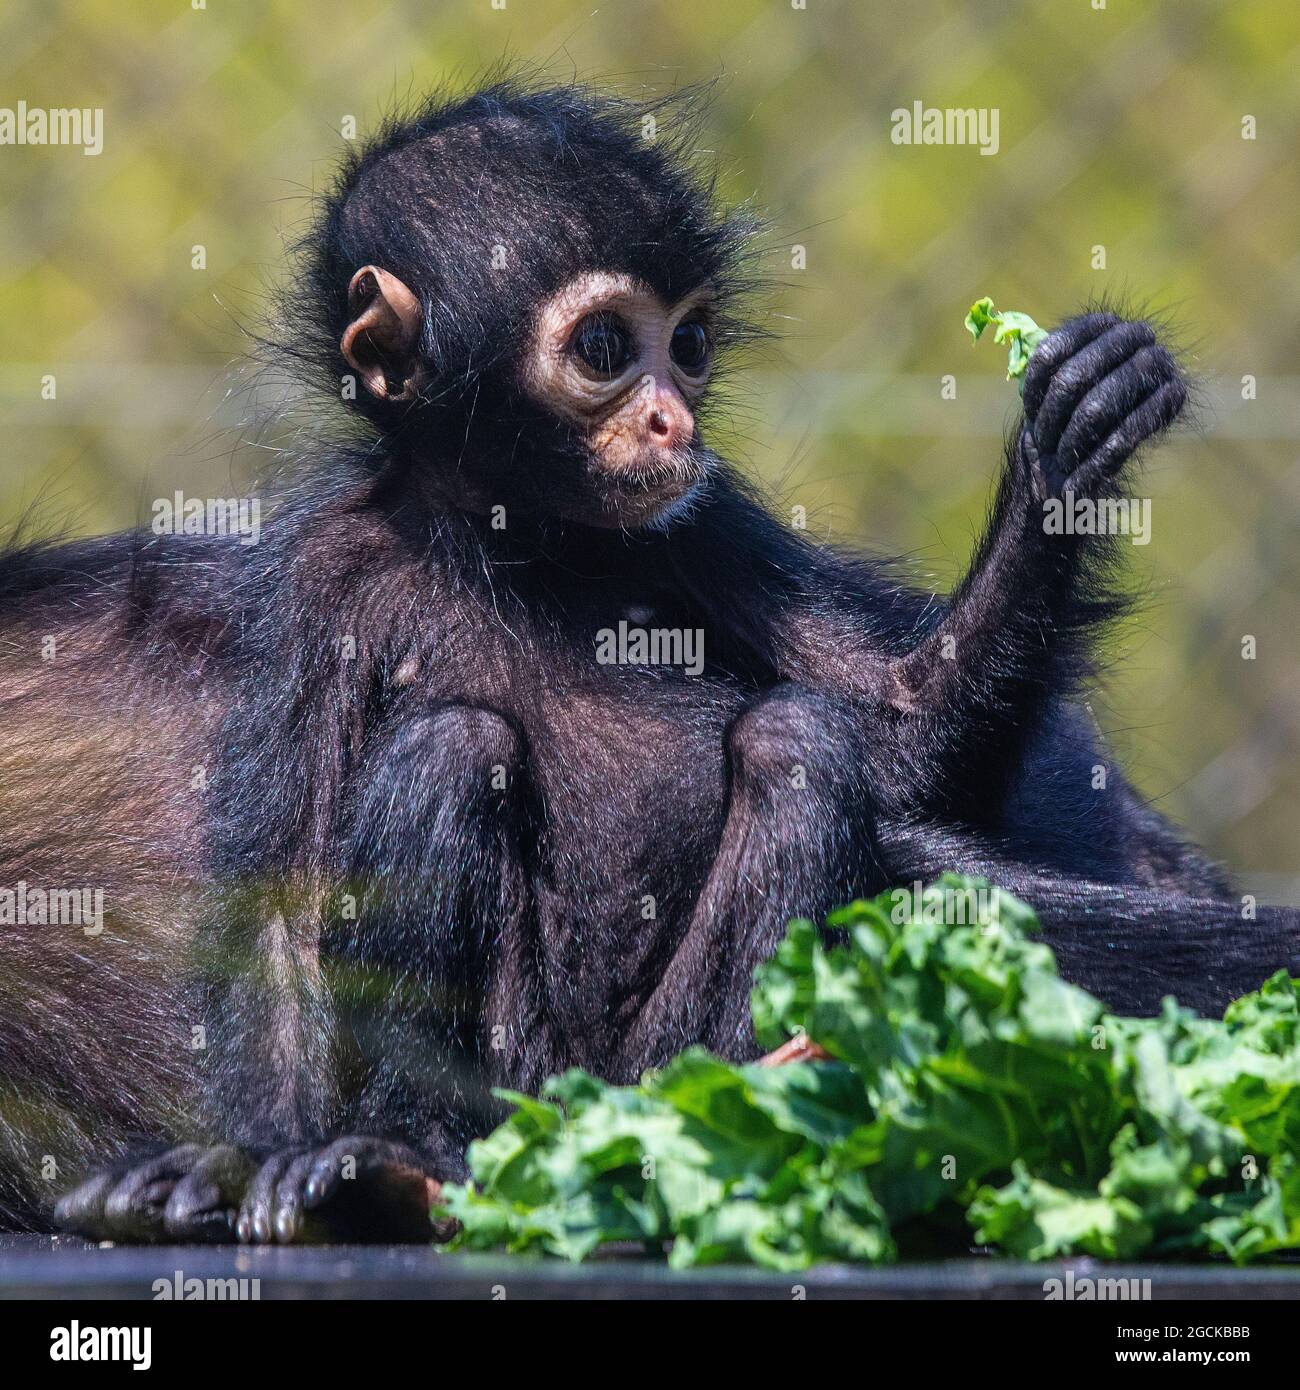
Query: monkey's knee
{"x": 802, "y": 817}
{"x": 798, "y": 741}
{"x": 440, "y": 771}
{"x": 467, "y": 737}
{"x": 456, "y": 743}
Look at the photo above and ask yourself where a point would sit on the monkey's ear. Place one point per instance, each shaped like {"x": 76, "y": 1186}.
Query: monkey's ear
{"x": 379, "y": 343}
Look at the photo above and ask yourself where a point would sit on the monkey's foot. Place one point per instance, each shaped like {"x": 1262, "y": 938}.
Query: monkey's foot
{"x": 354, "y": 1189}
{"x": 1095, "y": 389}
{"x": 188, "y": 1193}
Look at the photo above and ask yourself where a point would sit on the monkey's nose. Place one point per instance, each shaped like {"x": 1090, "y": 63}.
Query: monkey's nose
{"x": 668, "y": 422}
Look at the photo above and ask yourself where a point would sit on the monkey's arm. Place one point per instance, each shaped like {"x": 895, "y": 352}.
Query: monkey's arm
{"x": 301, "y": 672}
{"x": 1015, "y": 631}
{"x": 791, "y": 846}
{"x": 950, "y": 712}
{"x": 430, "y": 861}
{"x": 303, "y": 993}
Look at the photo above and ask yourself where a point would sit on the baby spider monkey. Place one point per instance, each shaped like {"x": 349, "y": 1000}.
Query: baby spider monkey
{"x": 442, "y": 845}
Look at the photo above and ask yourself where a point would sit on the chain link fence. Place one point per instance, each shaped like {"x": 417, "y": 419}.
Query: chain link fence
{"x": 1145, "y": 150}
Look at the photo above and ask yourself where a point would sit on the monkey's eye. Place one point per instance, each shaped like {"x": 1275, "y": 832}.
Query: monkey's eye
{"x": 603, "y": 345}
{"x": 690, "y": 345}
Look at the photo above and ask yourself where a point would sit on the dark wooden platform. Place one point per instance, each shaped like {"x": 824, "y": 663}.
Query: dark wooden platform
{"x": 44, "y": 1268}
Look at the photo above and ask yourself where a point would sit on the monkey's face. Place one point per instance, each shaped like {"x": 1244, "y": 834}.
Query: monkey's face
{"x": 622, "y": 371}
{"x": 608, "y": 375}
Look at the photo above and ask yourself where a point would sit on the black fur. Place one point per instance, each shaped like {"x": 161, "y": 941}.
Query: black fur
{"x": 465, "y": 853}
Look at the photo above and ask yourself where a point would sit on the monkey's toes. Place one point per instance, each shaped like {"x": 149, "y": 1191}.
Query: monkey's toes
{"x": 256, "y": 1222}
{"x": 357, "y": 1188}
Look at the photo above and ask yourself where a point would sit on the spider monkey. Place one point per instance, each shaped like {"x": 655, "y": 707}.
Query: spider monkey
{"x": 377, "y": 827}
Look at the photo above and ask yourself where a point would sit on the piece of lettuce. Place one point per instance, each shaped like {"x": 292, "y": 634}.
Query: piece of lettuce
{"x": 972, "y": 1095}
{"x": 1020, "y": 333}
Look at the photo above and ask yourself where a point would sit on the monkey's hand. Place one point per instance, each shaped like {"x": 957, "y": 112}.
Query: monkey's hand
{"x": 1095, "y": 389}
{"x": 187, "y": 1193}
{"x": 353, "y": 1189}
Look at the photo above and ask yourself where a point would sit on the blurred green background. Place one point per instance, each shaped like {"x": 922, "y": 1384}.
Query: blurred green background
{"x": 1120, "y": 127}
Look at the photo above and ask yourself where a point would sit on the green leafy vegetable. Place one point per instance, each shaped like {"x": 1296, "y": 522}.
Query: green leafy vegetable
{"x": 1021, "y": 334}
{"x": 972, "y": 1094}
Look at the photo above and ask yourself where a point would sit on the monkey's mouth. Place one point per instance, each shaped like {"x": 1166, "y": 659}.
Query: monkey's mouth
{"x": 654, "y": 476}
{"x": 645, "y": 487}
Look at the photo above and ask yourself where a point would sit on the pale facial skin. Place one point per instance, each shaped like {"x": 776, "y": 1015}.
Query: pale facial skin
{"x": 606, "y": 355}
{"x": 626, "y": 370}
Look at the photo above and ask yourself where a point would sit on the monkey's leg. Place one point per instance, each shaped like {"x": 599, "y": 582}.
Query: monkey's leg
{"x": 798, "y": 840}
{"x": 434, "y": 897}
{"x": 1016, "y": 629}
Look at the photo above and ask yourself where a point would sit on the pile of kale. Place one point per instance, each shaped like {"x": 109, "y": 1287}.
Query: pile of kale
{"x": 974, "y": 1097}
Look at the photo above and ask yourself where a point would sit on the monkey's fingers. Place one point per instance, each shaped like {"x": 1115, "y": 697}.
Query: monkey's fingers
{"x": 1157, "y": 412}
{"x": 356, "y": 1157}
{"x": 1074, "y": 378}
{"x": 1147, "y": 375}
{"x": 134, "y": 1208}
{"x": 1108, "y": 402}
{"x": 81, "y": 1211}
{"x": 371, "y": 1189}
{"x": 1059, "y": 346}
{"x": 204, "y": 1205}
{"x": 358, "y": 1188}
{"x": 288, "y": 1214}
{"x": 127, "y": 1203}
